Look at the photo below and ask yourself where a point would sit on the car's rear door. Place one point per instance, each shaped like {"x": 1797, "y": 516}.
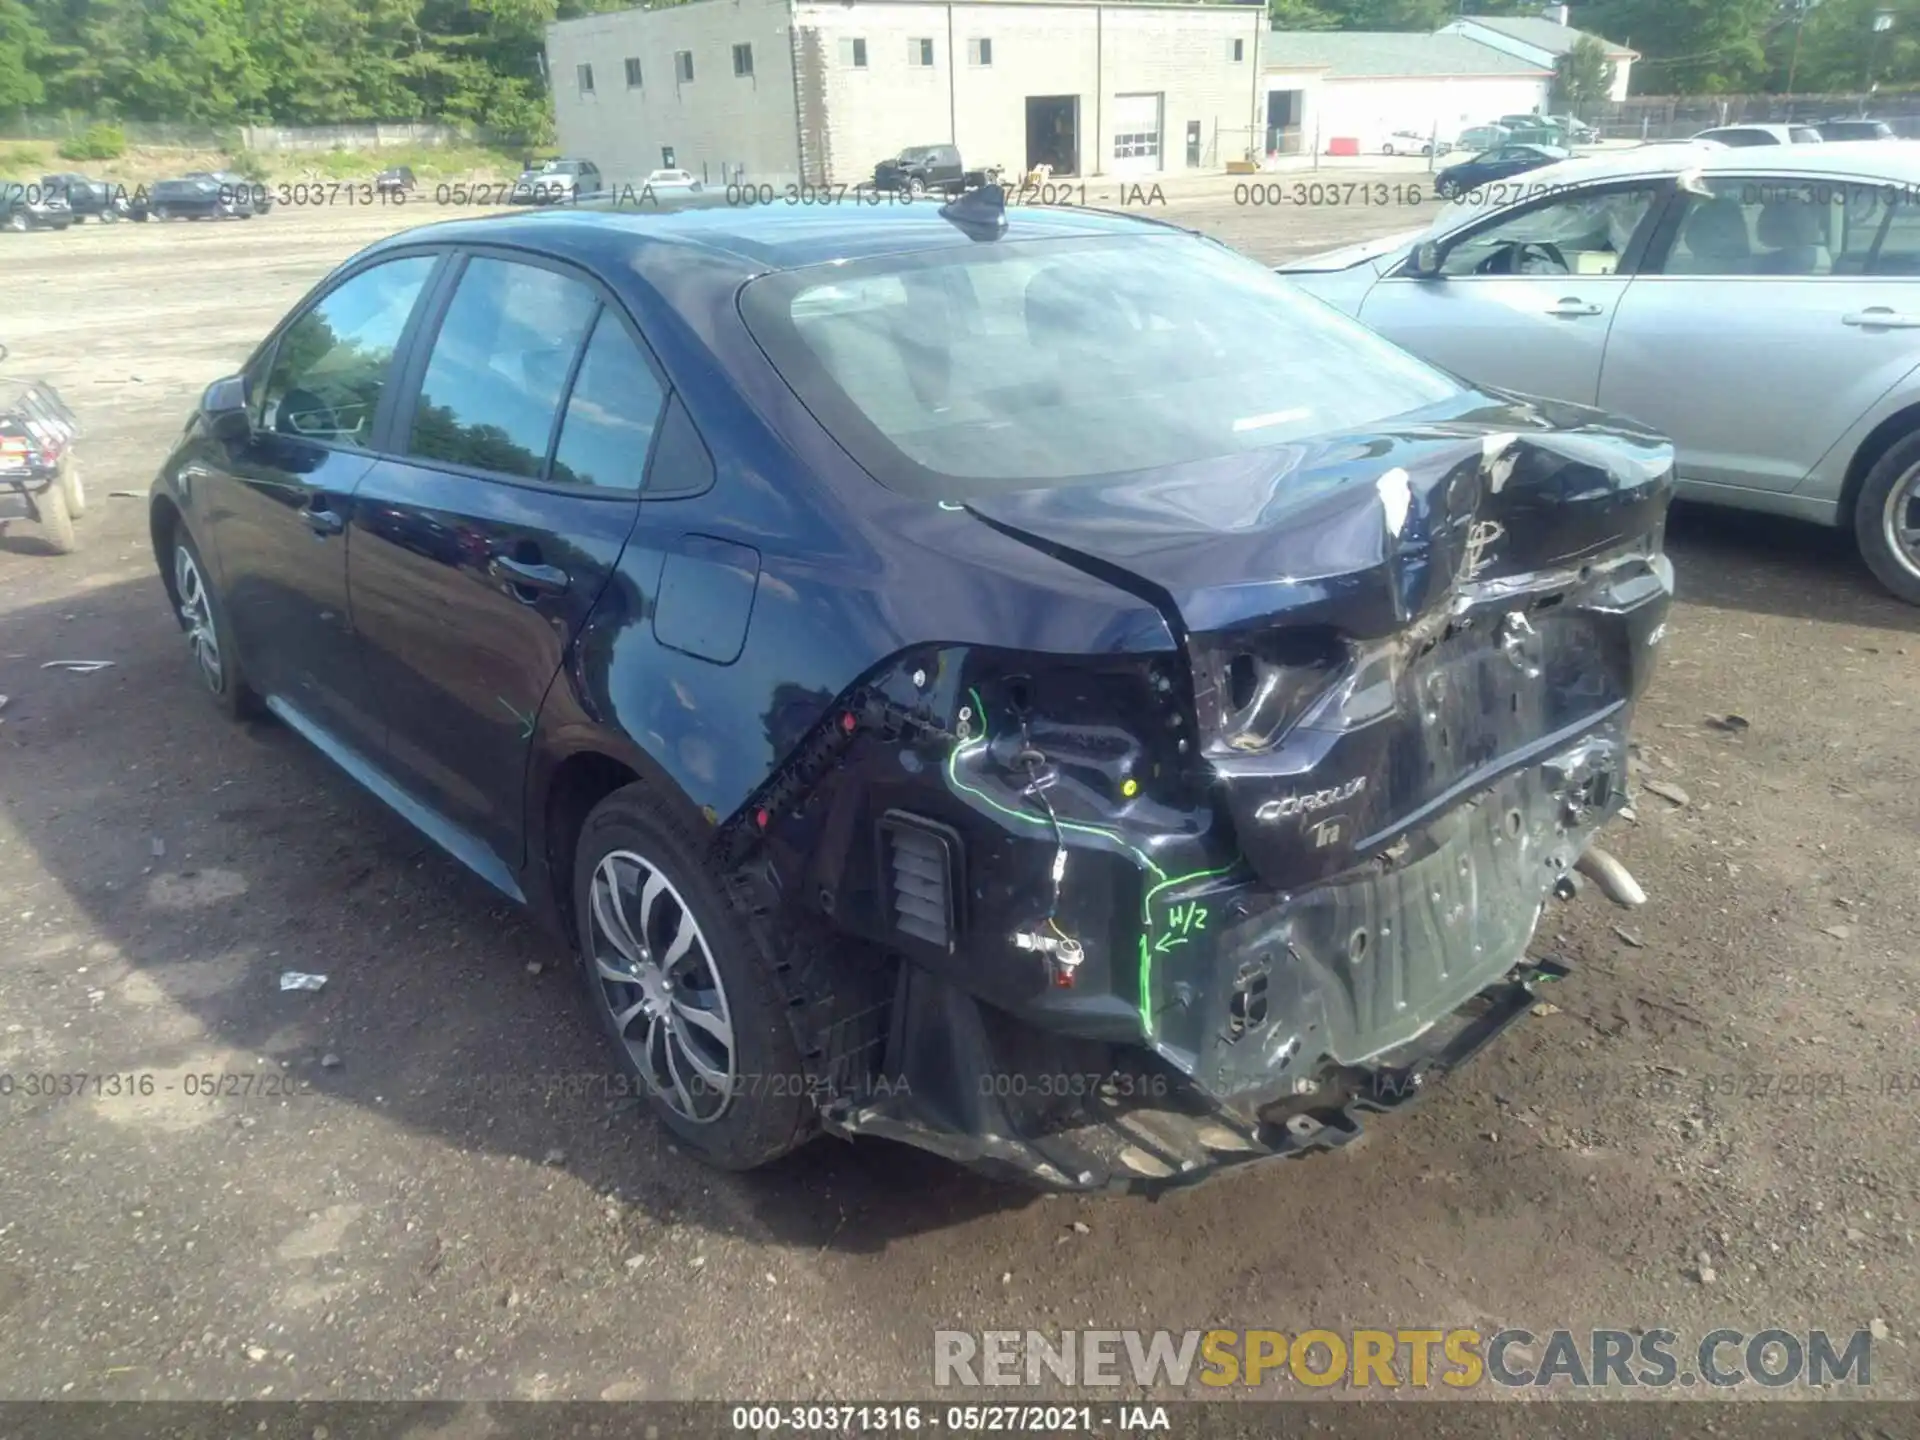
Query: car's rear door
{"x": 1772, "y": 312}
{"x": 481, "y": 544}
{"x": 276, "y": 502}
{"x": 1524, "y": 298}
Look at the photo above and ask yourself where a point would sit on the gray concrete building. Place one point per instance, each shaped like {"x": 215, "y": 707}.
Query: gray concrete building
{"x": 786, "y": 91}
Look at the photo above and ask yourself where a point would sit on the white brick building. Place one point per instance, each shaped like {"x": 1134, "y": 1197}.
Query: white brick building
{"x": 779, "y": 91}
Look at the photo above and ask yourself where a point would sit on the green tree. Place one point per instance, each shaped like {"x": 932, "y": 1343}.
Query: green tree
{"x": 1301, "y": 15}
{"x": 1690, "y": 46}
{"x": 22, "y": 45}
{"x": 1584, "y": 75}
{"x": 1839, "y": 49}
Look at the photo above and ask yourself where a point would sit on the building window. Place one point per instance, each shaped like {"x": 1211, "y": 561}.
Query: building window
{"x": 633, "y": 73}
{"x": 920, "y": 53}
{"x": 743, "y": 60}
{"x": 584, "y": 73}
{"x": 853, "y": 54}
{"x": 1239, "y": 50}
{"x": 683, "y": 66}
{"x": 980, "y": 52}
{"x": 1140, "y": 145}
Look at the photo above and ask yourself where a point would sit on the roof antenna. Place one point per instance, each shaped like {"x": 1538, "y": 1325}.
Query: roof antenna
{"x": 980, "y": 214}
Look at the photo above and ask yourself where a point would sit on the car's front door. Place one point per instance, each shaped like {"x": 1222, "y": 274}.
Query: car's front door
{"x": 278, "y": 500}
{"x": 480, "y": 545}
{"x": 1772, "y": 312}
{"x": 1523, "y": 300}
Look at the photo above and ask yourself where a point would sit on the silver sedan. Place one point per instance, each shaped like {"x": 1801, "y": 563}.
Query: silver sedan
{"x": 1762, "y": 307}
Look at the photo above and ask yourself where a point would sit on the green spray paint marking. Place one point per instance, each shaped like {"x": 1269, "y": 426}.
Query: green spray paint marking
{"x": 1195, "y": 915}
{"x": 526, "y": 721}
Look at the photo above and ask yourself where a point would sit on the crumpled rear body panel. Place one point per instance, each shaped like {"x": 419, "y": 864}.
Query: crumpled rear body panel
{"x": 1155, "y": 912}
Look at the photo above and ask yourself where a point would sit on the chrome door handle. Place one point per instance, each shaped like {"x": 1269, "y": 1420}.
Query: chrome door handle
{"x": 518, "y": 574}
{"x": 323, "y": 522}
{"x": 1572, "y": 306}
{"x": 1879, "y": 317}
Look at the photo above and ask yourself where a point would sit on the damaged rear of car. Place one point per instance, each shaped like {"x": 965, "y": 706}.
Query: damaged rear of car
{"x": 1208, "y": 893}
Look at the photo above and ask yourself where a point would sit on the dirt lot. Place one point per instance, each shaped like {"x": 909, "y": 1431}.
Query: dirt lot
{"x": 1730, "y": 1072}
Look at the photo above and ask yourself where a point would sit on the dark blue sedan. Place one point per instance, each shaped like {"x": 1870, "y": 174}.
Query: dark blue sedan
{"x": 1028, "y": 683}
{"x": 1491, "y": 166}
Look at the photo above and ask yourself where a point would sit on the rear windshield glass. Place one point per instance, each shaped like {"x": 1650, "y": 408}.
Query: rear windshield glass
{"x": 1008, "y": 365}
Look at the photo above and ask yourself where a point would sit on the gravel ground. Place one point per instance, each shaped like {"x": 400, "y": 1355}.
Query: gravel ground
{"x": 423, "y": 1198}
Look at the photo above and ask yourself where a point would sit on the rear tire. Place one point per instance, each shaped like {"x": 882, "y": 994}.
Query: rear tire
{"x": 56, "y": 522}
{"x": 76, "y": 492}
{"x": 685, "y": 986}
{"x": 203, "y": 616}
{"x": 1886, "y": 519}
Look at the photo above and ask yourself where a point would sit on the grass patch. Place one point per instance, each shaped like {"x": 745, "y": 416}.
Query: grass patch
{"x": 21, "y": 159}
{"x": 428, "y": 162}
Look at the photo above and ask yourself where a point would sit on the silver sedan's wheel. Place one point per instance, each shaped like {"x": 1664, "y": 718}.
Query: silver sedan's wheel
{"x": 663, "y": 992}
{"x": 1900, "y": 521}
{"x": 196, "y": 612}
{"x": 1886, "y": 518}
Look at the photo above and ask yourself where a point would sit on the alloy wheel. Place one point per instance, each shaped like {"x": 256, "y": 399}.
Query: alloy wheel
{"x": 1901, "y": 520}
{"x": 196, "y": 608}
{"x": 657, "y": 978}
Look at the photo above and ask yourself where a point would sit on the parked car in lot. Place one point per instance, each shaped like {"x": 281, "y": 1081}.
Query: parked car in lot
{"x": 1761, "y": 307}
{"x": 920, "y": 168}
{"x": 39, "y": 471}
{"x": 1534, "y": 130}
{"x": 1477, "y": 139}
{"x": 1855, "y": 129}
{"x": 1499, "y": 164}
{"x": 1576, "y": 130}
{"x": 918, "y": 653}
{"x": 673, "y": 180}
{"x": 395, "y": 180}
{"x": 205, "y": 195}
{"x": 556, "y": 182}
{"x": 1744, "y": 137}
{"x": 24, "y": 206}
{"x": 86, "y": 198}
{"x": 1412, "y": 142}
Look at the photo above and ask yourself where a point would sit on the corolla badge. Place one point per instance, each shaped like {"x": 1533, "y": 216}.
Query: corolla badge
{"x": 1291, "y": 806}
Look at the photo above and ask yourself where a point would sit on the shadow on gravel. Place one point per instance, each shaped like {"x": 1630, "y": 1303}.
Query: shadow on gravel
{"x": 1741, "y": 560}
{"x": 207, "y": 858}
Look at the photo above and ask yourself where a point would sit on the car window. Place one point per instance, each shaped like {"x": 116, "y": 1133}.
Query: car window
{"x": 611, "y": 413}
{"x": 331, "y": 364}
{"x": 1880, "y": 232}
{"x": 1803, "y": 134}
{"x": 499, "y": 364}
{"x": 996, "y": 367}
{"x": 1754, "y": 225}
{"x": 1580, "y": 234}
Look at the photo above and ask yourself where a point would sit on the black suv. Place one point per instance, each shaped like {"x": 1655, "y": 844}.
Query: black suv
{"x": 920, "y": 168}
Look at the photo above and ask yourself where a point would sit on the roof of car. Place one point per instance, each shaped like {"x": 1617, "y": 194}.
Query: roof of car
{"x": 1874, "y": 161}
{"x": 759, "y": 237}
{"x": 1869, "y": 159}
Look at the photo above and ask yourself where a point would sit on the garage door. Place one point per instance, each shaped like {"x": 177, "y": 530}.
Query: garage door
{"x": 1136, "y": 134}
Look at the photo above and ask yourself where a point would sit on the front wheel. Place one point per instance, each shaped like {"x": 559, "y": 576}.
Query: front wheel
{"x": 1886, "y": 519}
{"x": 916, "y": 187}
{"x": 684, "y": 985}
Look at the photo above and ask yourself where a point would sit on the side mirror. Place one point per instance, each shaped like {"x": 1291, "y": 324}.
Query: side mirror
{"x": 1423, "y": 261}
{"x": 224, "y": 409}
